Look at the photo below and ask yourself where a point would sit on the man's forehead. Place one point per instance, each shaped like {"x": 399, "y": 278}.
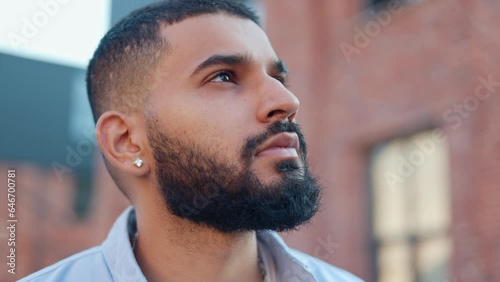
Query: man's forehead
{"x": 196, "y": 39}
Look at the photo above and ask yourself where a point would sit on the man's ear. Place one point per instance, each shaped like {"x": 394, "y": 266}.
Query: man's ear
{"x": 114, "y": 135}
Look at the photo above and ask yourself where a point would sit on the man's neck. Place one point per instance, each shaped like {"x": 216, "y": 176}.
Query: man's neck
{"x": 169, "y": 248}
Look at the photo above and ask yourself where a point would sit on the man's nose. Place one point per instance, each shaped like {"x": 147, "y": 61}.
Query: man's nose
{"x": 276, "y": 102}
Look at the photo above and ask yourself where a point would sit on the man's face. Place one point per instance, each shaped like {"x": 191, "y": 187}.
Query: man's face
{"x": 227, "y": 151}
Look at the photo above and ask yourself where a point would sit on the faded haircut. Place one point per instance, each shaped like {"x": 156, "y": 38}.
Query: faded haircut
{"x": 120, "y": 74}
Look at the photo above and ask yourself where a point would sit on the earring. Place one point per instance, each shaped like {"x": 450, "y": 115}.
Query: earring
{"x": 138, "y": 162}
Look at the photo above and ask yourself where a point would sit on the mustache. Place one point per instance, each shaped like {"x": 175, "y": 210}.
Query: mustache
{"x": 277, "y": 127}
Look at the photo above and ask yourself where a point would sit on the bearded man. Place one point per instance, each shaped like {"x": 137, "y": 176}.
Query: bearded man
{"x": 198, "y": 130}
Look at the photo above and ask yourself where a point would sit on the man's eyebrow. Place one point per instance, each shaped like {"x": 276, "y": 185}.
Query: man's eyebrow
{"x": 279, "y": 66}
{"x": 228, "y": 60}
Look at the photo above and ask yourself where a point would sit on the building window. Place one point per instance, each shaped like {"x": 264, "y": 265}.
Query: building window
{"x": 411, "y": 208}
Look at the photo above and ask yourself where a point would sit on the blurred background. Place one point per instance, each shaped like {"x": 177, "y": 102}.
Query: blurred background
{"x": 399, "y": 102}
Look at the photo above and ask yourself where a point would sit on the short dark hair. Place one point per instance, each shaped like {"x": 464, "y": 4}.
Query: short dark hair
{"x": 119, "y": 73}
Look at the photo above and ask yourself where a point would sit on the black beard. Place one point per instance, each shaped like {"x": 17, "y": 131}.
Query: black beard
{"x": 199, "y": 186}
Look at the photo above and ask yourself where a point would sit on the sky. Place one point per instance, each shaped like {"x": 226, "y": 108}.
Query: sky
{"x": 65, "y": 32}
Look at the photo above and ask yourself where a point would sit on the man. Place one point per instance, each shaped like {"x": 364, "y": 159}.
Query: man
{"x": 198, "y": 130}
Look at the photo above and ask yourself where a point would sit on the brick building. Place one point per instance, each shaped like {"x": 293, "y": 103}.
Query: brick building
{"x": 399, "y": 103}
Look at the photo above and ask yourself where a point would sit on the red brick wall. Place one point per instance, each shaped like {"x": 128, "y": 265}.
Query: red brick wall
{"x": 48, "y": 229}
{"x": 404, "y": 78}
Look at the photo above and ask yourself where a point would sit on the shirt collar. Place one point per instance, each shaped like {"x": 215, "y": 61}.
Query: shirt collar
{"x": 118, "y": 250}
{"x": 288, "y": 266}
{"x": 123, "y": 266}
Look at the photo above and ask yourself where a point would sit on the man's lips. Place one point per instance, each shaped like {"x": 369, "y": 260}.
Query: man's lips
{"x": 281, "y": 145}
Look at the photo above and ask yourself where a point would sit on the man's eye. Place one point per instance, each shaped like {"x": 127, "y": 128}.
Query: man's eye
{"x": 223, "y": 77}
{"x": 282, "y": 80}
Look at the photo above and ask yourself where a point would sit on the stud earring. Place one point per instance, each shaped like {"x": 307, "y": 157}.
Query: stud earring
{"x": 138, "y": 162}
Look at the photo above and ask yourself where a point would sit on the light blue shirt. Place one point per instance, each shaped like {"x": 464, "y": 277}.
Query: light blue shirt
{"x": 114, "y": 261}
